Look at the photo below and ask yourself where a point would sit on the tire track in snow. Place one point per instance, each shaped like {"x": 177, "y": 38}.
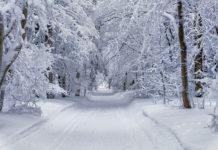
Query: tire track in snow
{"x": 59, "y": 141}
{"x": 35, "y": 126}
{"x": 127, "y": 123}
{"x": 157, "y": 123}
{"x": 126, "y": 116}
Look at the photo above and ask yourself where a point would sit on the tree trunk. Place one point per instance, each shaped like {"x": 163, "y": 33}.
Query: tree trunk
{"x": 125, "y": 82}
{"x": 169, "y": 37}
{"x": 24, "y": 20}
{"x": 79, "y": 84}
{"x": 164, "y": 87}
{"x": 198, "y": 67}
{"x": 49, "y": 43}
{"x": 1, "y": 53}
{"x": 109, "y": 83}
{"x": 184, "y": 73}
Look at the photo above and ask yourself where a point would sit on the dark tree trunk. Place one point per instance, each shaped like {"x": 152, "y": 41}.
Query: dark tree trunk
{"x": 198, "y": 67}
{"x": 169, "y": 37}
{"x": 24, "y": 20}
{"x": 109, "y": 83}
{"x": 198, "y": 74}
{"x": 184, "y": 73}
{"x": 125, "y": 82}
{"x": 79, "y": 86}
{"x": 51, "y": 77}
{"x": 1, "y": 53}
{"x": 164, "y": 87}
{"x": 48, "y": 43}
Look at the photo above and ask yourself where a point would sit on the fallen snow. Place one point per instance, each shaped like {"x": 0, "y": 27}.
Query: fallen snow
{"x": 107, "y": 121}
{"x": 190, "y": 126}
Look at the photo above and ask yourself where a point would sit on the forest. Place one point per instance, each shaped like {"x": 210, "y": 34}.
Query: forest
{"x": 108, "y": 74}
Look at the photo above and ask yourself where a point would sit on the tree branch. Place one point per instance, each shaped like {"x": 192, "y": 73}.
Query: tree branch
{"x": 18, "y": 49}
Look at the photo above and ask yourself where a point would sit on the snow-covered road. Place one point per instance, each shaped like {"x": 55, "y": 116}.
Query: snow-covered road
{"x": 96, "y": 124}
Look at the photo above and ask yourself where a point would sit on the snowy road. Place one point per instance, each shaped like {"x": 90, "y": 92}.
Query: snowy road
{"x": 96, "y": 125}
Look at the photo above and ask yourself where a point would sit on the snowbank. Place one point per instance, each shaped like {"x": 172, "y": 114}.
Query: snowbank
{"x": 14, "y": 127}
{"x": 190, "y": 126}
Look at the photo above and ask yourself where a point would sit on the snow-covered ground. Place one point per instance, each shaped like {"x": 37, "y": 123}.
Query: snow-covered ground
{"x": 190, "y": 127}
{"x": 107, "y": 121}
